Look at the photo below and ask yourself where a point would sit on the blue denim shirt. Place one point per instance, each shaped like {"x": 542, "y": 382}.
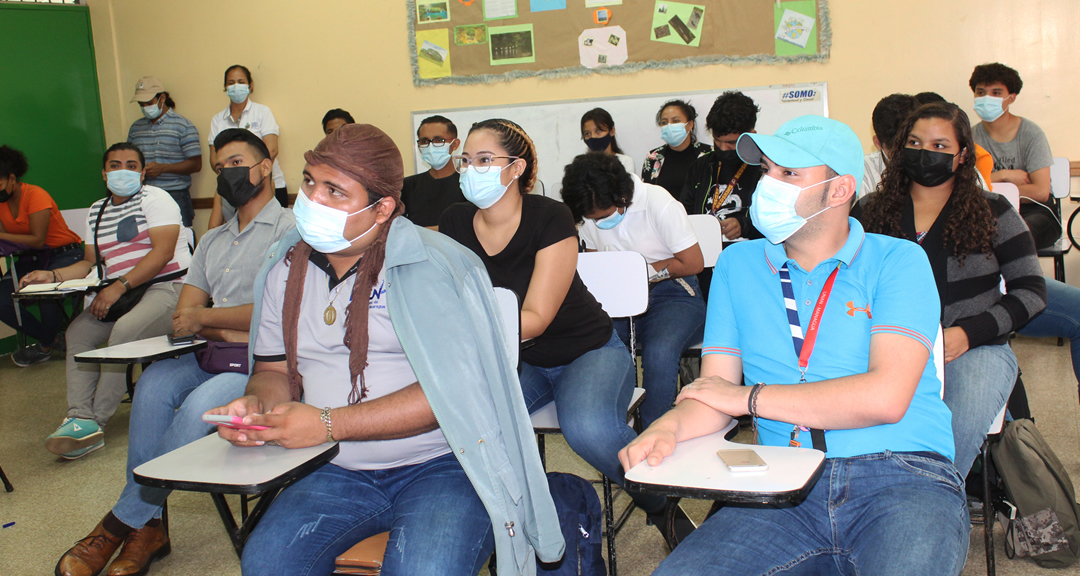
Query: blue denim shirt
{"x": 443, "y": 309}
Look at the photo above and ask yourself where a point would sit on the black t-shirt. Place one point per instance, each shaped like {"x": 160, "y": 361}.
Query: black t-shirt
{"x": 700, "y": 188}
{"x": 676, "y": 165}
{"x": 580, "y": 325}
{"x": 426, "y": 197}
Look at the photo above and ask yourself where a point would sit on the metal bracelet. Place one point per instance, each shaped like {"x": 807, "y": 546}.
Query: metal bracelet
{"x": 325, "y": 417}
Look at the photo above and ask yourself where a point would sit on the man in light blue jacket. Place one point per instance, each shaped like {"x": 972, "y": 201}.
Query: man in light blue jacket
{"x": 387, "y": 338}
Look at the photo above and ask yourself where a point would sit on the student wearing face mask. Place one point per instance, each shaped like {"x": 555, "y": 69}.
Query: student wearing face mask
{"x": 598, "y": 133}
{"x": 173, "y": 394}
{"x": 428, "y": 193}
{"x": 973, "y": 238}
{"x": 133, "y": 241}
{"x": 668, "y": 165}
{"x": 243, "y": 113}
{"x": 169, "y": 141}
{"x": 29, "y": 216}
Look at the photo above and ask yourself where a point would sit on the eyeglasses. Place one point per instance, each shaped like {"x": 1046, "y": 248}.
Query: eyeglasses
{"x": 424, "y": 142}
{"x": 481, "y": 163}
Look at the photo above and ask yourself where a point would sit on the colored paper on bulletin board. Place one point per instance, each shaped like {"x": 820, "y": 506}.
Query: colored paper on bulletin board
{"x": 500, "y": 9}
{"x": 599, "y": 47}
{"x": 433, "y": 53}
{"x": 467, "y": 35}
{"x": 511, "y": 44}
{"x": 596, "y": 3}
{"x": 431, "y": 11}
{"x": 796, "y": 28}
{"x": 677, "y": 23}
{"x": 545, "y": 5}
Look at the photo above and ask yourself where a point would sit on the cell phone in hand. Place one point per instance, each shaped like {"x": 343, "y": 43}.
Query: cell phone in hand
{"x": 177, "y": 339}
{"x": 235, "y": 422}
{"x": 742, "y": 461}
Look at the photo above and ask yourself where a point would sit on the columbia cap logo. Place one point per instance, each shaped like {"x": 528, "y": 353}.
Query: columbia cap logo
{"x": 802, "y": 129}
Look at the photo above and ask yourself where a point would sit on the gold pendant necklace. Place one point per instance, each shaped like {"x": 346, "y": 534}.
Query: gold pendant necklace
{"x": 330, "y": 314}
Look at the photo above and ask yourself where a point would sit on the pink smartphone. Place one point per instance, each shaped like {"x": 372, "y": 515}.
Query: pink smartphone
{"x": 236, "y": 422}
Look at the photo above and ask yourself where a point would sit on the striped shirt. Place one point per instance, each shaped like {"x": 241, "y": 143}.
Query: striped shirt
{"x": 170, "y": 140}
{"x": 123, "y": 235}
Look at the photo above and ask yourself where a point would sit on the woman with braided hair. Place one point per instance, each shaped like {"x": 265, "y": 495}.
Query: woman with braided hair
{"x": 377, "y": 334}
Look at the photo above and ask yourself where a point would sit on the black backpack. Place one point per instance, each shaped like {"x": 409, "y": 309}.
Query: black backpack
{"x": 578, "y": 508}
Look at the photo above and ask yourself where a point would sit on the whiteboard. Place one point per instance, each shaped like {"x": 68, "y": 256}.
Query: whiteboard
{"x": 555, "y": 127}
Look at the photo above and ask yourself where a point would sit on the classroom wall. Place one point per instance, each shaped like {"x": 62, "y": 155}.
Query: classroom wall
{"x": 308, "y": 57}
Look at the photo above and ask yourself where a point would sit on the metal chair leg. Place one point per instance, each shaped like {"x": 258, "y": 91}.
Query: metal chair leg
{"x": 988, "y": 511}
{"x": 609, "y": 525}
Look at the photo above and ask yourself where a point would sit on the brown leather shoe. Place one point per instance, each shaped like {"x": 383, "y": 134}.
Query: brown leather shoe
{"x": 90, "y": 554}
{"x": 141, "y": 547}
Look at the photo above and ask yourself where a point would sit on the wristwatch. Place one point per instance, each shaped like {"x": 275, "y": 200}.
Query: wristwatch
{"x": 123, "y": 280}
{"x": 661, "y": 275}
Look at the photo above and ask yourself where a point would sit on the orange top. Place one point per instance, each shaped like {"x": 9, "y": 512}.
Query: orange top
{"x": 35, "y": 199}
{"x": 984, "y": 163}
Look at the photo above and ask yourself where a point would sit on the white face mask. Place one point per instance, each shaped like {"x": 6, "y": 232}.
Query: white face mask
{"x": 772, "y": 208}
{"x": 323, "y": 227}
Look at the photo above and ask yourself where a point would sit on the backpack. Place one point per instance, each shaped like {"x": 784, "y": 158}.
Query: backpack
{"x": 1045, "y": 524}
{"x": 578, "y": 509}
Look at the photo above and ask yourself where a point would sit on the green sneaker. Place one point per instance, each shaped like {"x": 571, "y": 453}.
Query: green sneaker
{"x": 74, "y": 434}
{"x": 84, "y": 451}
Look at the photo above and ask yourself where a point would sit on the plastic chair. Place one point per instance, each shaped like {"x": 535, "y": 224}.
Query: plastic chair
{"x": 710, "y": 237}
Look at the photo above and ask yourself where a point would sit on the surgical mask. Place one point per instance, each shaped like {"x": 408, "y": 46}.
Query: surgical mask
{"x": 436, "y": 155}
{"x": 926, "y": 167}
{"x": 152, "y": 111}
{"x": 673, "y": 134}
{"x": 323, "y": 227}
{"x": 598, "y": 144}
{"x": 989, "y": 108}
{"x": 727, "y": 155}
{"x": 609, "y": 222}
{"x": 235, "y": 187}
{"x": 483, "y": 190}
{"x": 124, "y": 182}
{"x": 773, "y": 208}
{"x": 238, "y": 92}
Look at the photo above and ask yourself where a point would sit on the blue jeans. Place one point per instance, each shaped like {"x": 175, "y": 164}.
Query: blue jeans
{"x": 166, "y": 414}
{"x": 52, "y": 318}
{"x": 438, "y": 525}
{"x": 1060, "y": 318}
{"x": 977, "y": 385}
{"x": 887, "y": 513}
{"x": 674, "y": 322}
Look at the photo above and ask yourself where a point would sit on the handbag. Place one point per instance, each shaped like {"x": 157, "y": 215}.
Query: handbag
{"x": 221, "y": 357}
{"x": 131, "y": 298}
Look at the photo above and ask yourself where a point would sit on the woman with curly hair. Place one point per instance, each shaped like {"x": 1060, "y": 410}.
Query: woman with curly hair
{"x": 973, "y": 238}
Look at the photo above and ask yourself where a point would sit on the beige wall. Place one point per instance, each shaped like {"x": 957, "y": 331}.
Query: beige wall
{"x": 308, "y": 57}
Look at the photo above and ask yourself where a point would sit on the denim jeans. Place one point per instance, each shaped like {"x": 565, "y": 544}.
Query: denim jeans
{"x": 889, "y": 513}
{"x": 1060, "y": 318}
{"x": 166, "y": 414}
{"x": 674, "y": 321}
{"x": 182, "y": 197}
{"x": 52, "y": 318}
{"x": 977, "y": 385}
{"x": 438, "y": 525}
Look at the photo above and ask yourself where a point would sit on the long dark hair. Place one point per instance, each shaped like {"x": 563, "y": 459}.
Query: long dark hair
{"x": 603, "y": 120}
{"x": 972, "y": 226}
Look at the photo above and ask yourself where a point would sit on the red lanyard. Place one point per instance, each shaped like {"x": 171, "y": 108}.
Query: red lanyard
{"x": 810, "y": 338}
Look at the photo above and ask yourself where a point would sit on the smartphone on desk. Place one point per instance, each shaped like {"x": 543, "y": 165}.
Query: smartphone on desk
{"x": 236, "y": 422}
{"x": 741, "y": 461}
{"x": 178, "y": 339}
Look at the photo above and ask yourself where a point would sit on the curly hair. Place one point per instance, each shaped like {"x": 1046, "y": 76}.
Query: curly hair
{"x": 517, "y": 143}
{"x": 971, "y": 227}
{"x": 12, "y": 161}
{"x": 732, "y": 113}
{"x": 596, "y": 181}
{"x": 603, "y": 120}
{"x": 994, "y": 73}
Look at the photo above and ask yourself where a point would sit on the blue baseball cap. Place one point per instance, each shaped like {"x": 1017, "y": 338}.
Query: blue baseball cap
{"x": 807, "y": 141}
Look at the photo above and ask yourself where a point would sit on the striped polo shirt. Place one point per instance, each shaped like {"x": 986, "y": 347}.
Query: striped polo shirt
{"x": 123, "y": 236}
{"x": 170, "y": 140}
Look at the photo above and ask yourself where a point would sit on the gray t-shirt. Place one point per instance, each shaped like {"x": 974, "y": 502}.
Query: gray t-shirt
{"x": 1028, "y": 151}
{"x": 323, "y": 360}
{"x": 225, "y": 263}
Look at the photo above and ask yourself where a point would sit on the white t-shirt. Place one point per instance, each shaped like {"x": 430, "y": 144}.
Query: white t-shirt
{"x": 627, "y": 163}
{"x": 124, "y": 231}
{"x": 655, "y": 226}
{"x": 259, "y": 120}
{"x": 873, "y": 166}
{"x": 323, "y": 360}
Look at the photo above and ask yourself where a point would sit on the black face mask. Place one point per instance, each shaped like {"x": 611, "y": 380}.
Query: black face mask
{"x": 5, "y": 195}
{"x": 726, "y": 156}
{"x": 927, "y": 168}
{"x": 234, "y": 185}
{"x": 598, "y": 144}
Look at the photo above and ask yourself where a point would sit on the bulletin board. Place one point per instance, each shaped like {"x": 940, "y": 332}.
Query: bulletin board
{"x": 483, "y": 41}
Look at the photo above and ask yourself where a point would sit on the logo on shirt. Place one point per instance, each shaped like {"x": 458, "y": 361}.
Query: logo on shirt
{"x": 852, "y": 309}
{"x": 377, "y": 294}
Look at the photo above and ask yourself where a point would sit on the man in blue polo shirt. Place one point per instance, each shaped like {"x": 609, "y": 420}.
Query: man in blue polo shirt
{"x": 832, "y": 330}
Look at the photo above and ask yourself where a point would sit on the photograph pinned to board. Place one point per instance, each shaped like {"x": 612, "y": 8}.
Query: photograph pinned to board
{"x": 471, "y": 34}
{"x": 600, "y": 47}
{"x": 672, "y": 23}
{"x": 795, "y": 28}
{"x": 546, "y": 5}
{"x": 433, "y": 53}
{"x": 511, "y": 44}
{"x": 430, "y": 11}
{"x": 500, "y": 9}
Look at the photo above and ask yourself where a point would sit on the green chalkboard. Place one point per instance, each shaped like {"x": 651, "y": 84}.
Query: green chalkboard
{"x": 50, "y": 107}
